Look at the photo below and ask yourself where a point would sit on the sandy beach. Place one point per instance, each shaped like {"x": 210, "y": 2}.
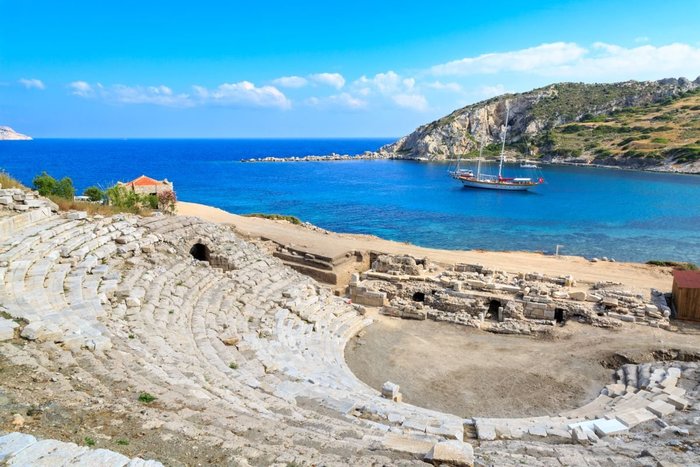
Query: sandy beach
{"x": 640, "y": 277}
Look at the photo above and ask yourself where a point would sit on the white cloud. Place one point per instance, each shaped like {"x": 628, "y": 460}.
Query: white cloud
{"x": 601, "y": 61}
{"x": 440, "y": 86}
{"x": 343, "y": 100}
{"x": 641, "y": 39}
{"x": 403, "y": 92}
{"x": 32, "y": 83}
{"x": 335, "y": 80}
{"x": 82, "y": 89}
{"x": 157, "y": 95}
{"x": 608, "y": 61}
{"x": 533, "y": 58}
{"x": 411, "y": 101}
{"x": 291, "y": 82}
{"x": 385, "y": 83}
{"x": 244, "y": 93}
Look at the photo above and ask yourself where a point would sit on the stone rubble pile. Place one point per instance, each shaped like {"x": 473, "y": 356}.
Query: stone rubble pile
{"x": 22, "y": 201}
{"x": 248, "y": 355}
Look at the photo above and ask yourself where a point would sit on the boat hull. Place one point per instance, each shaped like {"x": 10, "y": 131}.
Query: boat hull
{"x": 496, "y": 185}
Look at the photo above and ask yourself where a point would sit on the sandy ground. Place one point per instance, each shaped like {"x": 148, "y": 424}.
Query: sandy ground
{"x": 470, "y": 373}
{"x": 634, "y": 275}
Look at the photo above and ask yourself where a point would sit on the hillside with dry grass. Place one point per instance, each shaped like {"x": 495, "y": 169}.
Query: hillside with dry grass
{"x": 661, "y": 136}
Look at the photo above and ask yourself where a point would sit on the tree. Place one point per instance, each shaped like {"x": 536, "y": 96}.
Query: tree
{"x": 121, "y": 197}
{"x": 46, "y": 185}
{"x": 94, "y": 193}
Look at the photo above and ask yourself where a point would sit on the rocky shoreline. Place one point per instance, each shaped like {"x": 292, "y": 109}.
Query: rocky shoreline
{"x": 690, "y": 169}
{"x": 367, "y": 155}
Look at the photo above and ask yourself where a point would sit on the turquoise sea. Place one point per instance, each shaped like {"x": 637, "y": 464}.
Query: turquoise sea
{"x": 626, "y": 215}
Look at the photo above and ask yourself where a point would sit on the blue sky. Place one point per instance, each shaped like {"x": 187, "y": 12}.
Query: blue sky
{"x": 313, "y": 69}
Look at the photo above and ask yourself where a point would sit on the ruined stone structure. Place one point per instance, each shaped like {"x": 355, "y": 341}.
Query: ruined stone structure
{"x": 246, "y": 354}
{"x": 472, "y": 295}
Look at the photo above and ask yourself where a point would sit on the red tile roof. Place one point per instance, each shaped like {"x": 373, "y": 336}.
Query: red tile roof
{"x": 687, "y": 279}
{"x": 144, "y": 181}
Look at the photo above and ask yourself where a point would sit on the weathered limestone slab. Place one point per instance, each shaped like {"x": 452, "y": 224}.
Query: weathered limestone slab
{"x": 453, "y": 452}
{"x": 661, "y": 408}
{"x": 7, "y": 329}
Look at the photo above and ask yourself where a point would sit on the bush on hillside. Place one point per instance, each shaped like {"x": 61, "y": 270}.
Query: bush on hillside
{"x": 121, "y": 197}
{"x": 94, "y": 193}
{"x": 46, "y": 185}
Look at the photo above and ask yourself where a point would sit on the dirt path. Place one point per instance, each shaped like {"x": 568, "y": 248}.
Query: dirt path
{"x": 634, "y": 275}
{"x": 470, "y": 373}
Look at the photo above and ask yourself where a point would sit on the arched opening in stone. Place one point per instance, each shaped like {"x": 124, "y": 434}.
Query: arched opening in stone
{"x": 559, "y": 315}
{"x": 419, "y": 297}
{"x": 494, "y": 305}
{"x": 200, "y": 252}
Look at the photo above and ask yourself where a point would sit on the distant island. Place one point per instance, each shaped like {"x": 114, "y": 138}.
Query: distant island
{"x": 8, "y": 134}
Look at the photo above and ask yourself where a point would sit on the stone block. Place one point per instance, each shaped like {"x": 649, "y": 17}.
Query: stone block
{"x": 635, "y": 417}
{"x": 7, "y": 329}
{"x": 77, "y": 215}
{"x": 453, "y": 452}
{"x": 42, "y": 332}
{"x": 680, "y": 403}
{"x": 661, "y": 408}
{"x": 5, "y": 200}
{"x": 390, "y": 390}
{"x": 609, "y": 427}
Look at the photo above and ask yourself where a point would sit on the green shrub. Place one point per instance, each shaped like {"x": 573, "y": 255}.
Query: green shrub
{"x": 46, "y": 185}
{"x": 123, "y": 198}
{"x": 94, "y": 193}
{"x": 276, "y": 217}
{"x": 660, "y": 140}
{"x": 151, "y": 201}
{"x": 674, "y": 264}
{"x": 146, "y": 398}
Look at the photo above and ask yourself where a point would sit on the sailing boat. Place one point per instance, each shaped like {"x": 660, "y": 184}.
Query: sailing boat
{"x": 497, "y": 182}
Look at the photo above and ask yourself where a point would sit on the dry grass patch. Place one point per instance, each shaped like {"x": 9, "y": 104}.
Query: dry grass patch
{"x": 96, "y": 208}
{"x": 7, "y": 181}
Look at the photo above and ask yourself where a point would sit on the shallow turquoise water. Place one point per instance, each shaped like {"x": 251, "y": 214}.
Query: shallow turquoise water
{"x": 626, "y": 215}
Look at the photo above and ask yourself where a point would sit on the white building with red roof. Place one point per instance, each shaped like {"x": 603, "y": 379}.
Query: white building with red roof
{"x": 144, "y": 185}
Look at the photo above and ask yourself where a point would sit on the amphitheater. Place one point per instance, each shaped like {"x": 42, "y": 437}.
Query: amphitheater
{"x": 143, "y": 341}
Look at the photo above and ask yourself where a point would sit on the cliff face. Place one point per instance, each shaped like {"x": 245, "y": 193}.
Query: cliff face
{"x": 7, "y": 133}
{"x": 532, "y": 115}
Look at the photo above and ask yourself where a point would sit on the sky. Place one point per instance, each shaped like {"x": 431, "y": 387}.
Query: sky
{"x": 273, "y": 69}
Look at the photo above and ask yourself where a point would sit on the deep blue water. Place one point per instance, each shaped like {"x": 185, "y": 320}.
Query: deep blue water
{"x": 627, "y": 215}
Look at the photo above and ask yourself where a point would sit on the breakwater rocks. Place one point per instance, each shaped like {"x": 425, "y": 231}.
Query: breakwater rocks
{"x": 368, "y": 155}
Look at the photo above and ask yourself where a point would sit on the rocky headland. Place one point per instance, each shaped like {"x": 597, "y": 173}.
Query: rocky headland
{"x": 8, "y": 134}
{"x": 649, "y": 125}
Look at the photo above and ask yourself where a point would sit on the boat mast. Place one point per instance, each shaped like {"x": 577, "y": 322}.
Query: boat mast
{"x": 478, "y": 162}
{"x": 503, "y": 142}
